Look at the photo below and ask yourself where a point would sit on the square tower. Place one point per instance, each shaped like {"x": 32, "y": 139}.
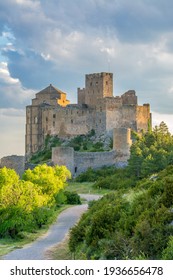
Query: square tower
{"x": 97, "y": 85}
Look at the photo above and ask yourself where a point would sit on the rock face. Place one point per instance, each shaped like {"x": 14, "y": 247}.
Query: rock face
{"x": 14, "y": 162}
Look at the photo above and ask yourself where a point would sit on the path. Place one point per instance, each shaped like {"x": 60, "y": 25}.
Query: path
{"x": 56, "y": 233}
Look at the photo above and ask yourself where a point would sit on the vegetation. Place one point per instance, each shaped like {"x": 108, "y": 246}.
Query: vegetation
{"x": 28, "y": 204}
{"x": 151, "y": 152}
{"x": 92, "y": 175}
{"x": 85, "y": 188}
{"x": 60, "y": 251}
{"x": 44, "y": 155}
{"x": 81, "y": 143}
{"x": 8, "y": 243}
{"x": 134, "y": 222}
{"x": 116, "y": 227}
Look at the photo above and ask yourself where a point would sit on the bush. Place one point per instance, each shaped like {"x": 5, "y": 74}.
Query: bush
{"x": 88, "y": 176}
{"x": 60, "y": 198}
{"x": 72, "y": 198}
{"x": 42, "y": 215}
{"x": 167, "y": 253}
{"x": 92, "y": 175}
{"x": 122, "y": 227}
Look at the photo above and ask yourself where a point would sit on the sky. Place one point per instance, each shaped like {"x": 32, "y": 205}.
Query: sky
{"x": 57, "y": 42}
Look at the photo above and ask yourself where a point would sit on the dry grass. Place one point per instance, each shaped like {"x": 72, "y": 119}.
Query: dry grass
{"x": 60, "y": 251}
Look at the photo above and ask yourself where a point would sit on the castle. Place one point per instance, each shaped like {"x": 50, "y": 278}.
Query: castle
{"x": 96, "y": 109}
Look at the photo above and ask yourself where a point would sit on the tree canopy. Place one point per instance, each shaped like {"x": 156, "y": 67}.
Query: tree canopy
{"x": 151, "y": 152}
{"x": 27, "y": 204}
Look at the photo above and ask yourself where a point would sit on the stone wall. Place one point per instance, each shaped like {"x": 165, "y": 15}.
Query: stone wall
{"x": 95, "y": 160}
{"x": 122, "y": 141}
{"x": 14, "y": 162}
{"x": 96, "y": 109}
{"x": 78, "y": 162}
{"x": 97, "y": 86}
{"x": 129, "y": 98}
{"x": 143, "y": 117}
{"x": 65, "y": 122}
{"x": 64, "y": 156}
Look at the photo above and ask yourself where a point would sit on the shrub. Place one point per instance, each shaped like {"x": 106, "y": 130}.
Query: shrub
{"x": 72, "y": 198}
{"x": 167, "y": 253}
{"x": 60, "y": 198}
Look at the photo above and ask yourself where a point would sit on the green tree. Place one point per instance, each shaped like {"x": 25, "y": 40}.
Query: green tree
{"x": 151, "y": 152}
{"x": 28, "y": 204}
{"x": 8, "y": 177}
{"x": 17, "y": 203}
{"x": 50, "y": 180}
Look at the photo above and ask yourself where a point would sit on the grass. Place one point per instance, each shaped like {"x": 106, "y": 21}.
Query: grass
{"x": 8, "y": 244}
{"x": 132, "y": 193}
{"x": 86, "y": 188}
{"x": 60, "y": 251}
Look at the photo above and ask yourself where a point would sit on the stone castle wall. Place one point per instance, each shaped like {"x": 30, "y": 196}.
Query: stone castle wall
{"x": 143, "y": 117}
{"x": 64, "y": 156}
{"x": 95, "y": 160}
{"x": 97, "y": 86}
{"x": 14, "y": 162}
{"x": 96, "y": 109}
{"x": 78, "y": 162}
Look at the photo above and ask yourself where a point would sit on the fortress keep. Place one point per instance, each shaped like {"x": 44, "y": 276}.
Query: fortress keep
{"x": 97, "y": 109}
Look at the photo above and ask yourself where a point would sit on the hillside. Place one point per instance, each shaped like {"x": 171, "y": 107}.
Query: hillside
{"x": 136, "y": 222}
{"x": 82, "y": 143}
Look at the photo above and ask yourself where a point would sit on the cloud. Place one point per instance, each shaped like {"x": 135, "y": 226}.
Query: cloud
{"x": 11, "y": 91}
{"x": 12, "y": 112}
{"x": 58, "y": 42}
{"x": 167, "y": 118}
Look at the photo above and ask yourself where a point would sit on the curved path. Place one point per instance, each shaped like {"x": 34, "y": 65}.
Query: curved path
{"x": 56, "y": 233}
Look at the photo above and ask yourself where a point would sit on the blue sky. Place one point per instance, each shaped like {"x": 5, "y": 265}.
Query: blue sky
{"x": 59, "y": 41}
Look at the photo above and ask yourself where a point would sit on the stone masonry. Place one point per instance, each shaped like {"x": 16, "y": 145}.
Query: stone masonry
{"x": 14, "y": 162}
{"x": 78, "y": 162}
{"x": 51, "y": 113}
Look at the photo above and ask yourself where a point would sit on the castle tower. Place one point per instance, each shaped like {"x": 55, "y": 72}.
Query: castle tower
{"x": 97, "y": 109}
{"x": 97, "y": 85}
{"x": 48, "y": 97}
{"x": 122, "y": 140}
